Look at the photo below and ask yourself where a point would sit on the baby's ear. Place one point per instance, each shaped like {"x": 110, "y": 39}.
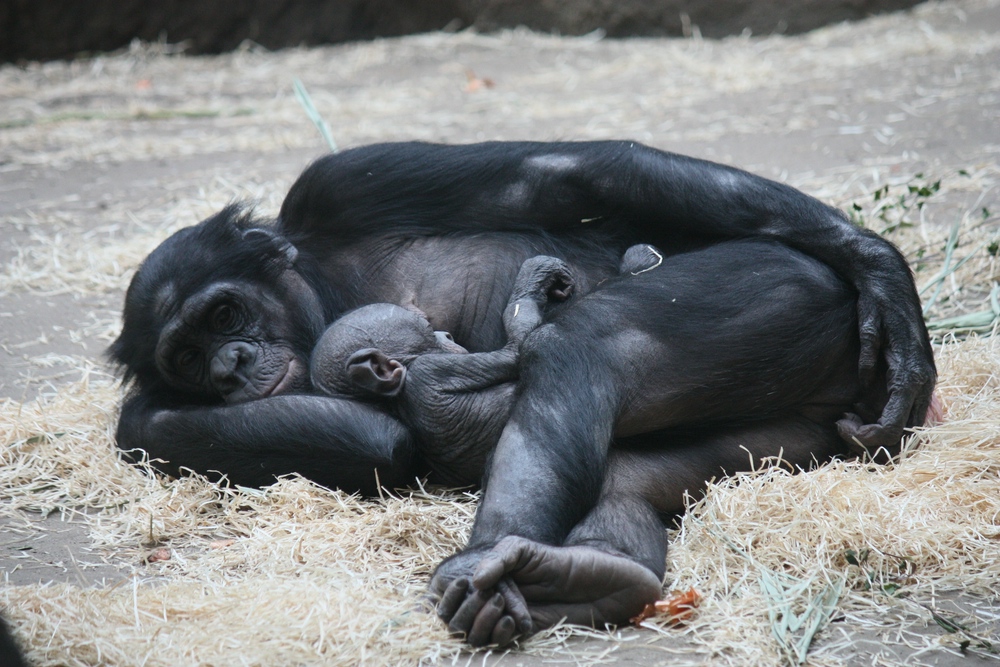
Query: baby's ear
{"x": 377, "y": 374}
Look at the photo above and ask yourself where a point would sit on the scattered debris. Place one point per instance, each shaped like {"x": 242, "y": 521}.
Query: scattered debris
{"x": 677, "y": 608}
{"x": 158, "y": 555}
{"x": 474, "y": 83}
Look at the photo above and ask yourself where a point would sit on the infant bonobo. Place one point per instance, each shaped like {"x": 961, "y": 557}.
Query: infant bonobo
{"x": 457, "y": 403}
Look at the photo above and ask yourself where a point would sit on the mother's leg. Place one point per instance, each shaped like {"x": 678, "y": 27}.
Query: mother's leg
{"x": 612, "y": 562}
{"x": 732, "y": 334}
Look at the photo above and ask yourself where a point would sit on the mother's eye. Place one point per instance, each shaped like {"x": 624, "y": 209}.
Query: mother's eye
{"x": 187, "y": 359}
{"x": 224, "y": 318}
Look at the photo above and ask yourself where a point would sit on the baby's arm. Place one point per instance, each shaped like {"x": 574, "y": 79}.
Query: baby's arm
{"x": 540, "y": 280}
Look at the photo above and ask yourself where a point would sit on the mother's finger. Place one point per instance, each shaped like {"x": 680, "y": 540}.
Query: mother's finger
{"x": 485, "y": 621}
{"x": 452, "y": 598}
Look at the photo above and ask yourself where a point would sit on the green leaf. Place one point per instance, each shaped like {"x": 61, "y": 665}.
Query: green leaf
{"x": 890, "y": 589}
{"x": 302, "y": 95}
{"x": 45, "y": 437}
{"x": 946, "y": 624}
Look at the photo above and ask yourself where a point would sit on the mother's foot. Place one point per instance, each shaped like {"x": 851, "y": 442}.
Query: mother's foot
{"x": 583, "y": 585}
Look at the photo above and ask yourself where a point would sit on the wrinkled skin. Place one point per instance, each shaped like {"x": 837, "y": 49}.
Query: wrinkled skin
{"x": 223, "y": 339}
{"x": 444, "y": 229}
{"x": 576, "y": 584}
{"x": 234, "y": 356}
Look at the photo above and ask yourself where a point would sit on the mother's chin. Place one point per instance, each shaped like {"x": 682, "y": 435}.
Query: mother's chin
{"x": 292, "y": 378}
{"x": 295, "y": 380}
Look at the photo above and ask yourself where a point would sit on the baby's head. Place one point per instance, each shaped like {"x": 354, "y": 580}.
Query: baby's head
{"x": 366, "y": 352}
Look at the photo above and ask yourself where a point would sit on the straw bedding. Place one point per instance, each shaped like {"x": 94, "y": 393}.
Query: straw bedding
{"x": 297, "y": 574}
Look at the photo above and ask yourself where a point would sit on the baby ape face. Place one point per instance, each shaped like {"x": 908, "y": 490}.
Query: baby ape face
{"x": 366, "y": 352}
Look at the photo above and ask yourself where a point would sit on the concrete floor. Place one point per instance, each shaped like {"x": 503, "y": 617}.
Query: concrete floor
{"x": 962, "y": 129}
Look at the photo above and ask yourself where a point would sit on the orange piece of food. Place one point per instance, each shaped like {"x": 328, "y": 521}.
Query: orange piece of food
{"x": 677, "y": 607}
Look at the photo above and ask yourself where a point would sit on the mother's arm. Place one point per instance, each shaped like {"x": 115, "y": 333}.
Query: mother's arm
{"x": 722, "y": 201}
{"x": 658, "y": 197}
{"x": 334, "y": 442}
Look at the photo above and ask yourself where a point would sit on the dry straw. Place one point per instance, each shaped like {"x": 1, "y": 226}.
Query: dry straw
{"x": 296, "y": 574}
{"x": 914, "y": 530}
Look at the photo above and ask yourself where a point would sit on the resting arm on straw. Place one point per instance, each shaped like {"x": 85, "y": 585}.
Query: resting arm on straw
{"x": 263, "y": 439}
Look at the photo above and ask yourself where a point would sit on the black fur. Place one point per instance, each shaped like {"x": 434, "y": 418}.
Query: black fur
{"x": 10, "y": 652}
{"x": 444, "y": 228}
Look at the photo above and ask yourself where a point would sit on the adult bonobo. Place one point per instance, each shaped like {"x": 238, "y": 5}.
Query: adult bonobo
{"x": 229, "y": 310}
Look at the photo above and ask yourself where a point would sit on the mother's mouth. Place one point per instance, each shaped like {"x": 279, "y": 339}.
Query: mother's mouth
{"x": 291, "y": 380}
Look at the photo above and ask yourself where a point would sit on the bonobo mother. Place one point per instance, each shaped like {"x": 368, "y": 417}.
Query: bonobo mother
{"x": 220, "y": 321}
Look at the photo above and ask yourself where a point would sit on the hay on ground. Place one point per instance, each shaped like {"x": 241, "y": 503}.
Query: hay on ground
{"x": 297, "y": 574}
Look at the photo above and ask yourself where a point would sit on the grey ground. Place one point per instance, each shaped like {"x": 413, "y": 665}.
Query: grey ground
{"x": 840, "y": 124}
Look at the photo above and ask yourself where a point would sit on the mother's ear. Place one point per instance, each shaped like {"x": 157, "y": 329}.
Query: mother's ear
{"x": 279, "y": 245}
{"x": 371, "y": 370}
